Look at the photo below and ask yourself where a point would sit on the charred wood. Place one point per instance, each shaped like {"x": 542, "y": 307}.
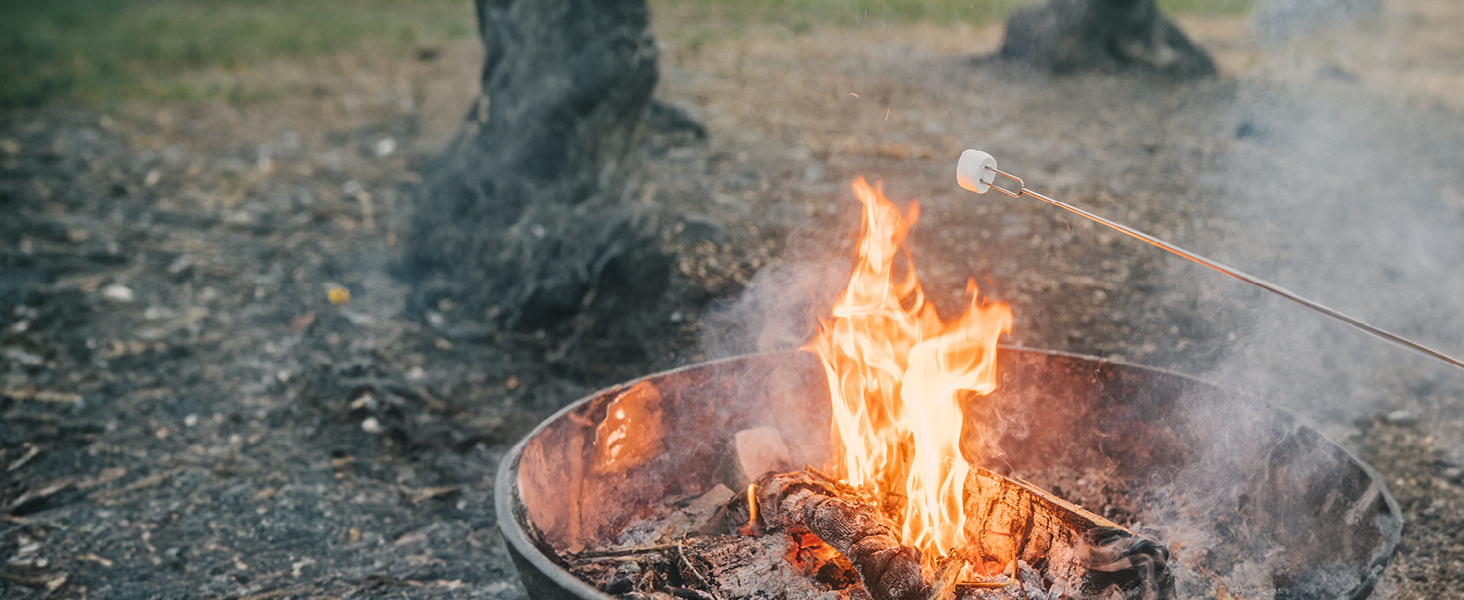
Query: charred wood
{"x": 856, "y": 529}
{"x": 1013, "y": 524}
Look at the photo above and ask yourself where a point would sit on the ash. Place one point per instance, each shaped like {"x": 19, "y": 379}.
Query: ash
{"x": 683, "y": 550}
{"x": 699, "y": 547}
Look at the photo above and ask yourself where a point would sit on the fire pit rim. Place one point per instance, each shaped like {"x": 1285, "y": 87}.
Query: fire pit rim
{"x": 509, "y": 508}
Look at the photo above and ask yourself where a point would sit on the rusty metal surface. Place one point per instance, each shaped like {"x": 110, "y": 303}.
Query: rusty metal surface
{"x": 1312, "y": 505}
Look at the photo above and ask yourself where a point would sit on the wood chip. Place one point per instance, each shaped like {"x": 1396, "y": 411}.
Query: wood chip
{"x": 33, "y": 498}
{"x": 24, "y": 458}
{"x": 420, "y": 496}
{"x": 89, "y": 557}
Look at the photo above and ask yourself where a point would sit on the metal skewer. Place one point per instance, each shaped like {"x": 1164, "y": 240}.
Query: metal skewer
{"x": 977, "y": 172}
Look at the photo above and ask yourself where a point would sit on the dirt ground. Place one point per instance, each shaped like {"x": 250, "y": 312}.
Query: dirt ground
{"x": 186, "y": 411}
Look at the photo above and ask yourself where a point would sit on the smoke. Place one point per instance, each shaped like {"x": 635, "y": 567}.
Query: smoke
{"x": 1350, "y": 198}
{"x": 1344, "y": 199}
{"x": 780, "y": 308}
{"x": 1321, "y": 184}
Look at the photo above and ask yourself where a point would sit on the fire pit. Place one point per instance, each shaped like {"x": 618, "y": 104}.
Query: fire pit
{"x": 955, "y": 475}
{"x": 1279, "y": 507}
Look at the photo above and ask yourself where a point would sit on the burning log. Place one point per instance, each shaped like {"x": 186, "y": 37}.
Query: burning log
{"x": 1014, "y": 525}
{"x": 1018, "y": 522}
{"x": 858, "y": 530}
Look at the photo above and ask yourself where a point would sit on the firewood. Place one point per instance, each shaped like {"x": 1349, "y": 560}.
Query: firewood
{"x": 890, "y": 571}
{"x": 1009, "y": 521}
{"x": 751, "y": 453}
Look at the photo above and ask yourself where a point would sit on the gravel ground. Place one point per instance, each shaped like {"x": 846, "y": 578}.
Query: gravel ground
{"x": 186, "y": 411}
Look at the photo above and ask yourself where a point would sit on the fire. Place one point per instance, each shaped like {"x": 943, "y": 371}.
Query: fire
{"x": 898, "y": 376}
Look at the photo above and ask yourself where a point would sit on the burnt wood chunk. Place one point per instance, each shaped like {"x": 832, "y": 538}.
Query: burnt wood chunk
{"x": 1015, "y": 521}
{"x": 750, "y": 454}
{"x": 1010, "y": 524}
{"x": 1068, "y": 36}
{"x": 889, "y": 570}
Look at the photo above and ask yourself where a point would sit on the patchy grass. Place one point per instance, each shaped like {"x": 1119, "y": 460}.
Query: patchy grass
{"x": 695, "y": 22}
{"x": 801, "y": 14}
{"x": 101, "y": 52}
{"x": 797, "y": 14}
{"x": 98, "y": 51}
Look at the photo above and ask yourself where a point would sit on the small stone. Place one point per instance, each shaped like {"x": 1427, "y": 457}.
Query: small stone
{"x": 371, "y": 425}
{"x": 1403, "y": 417}
{"x": 117, "y": 292}
{"x": 697, "y": 228}
{"x": 180, "y": 265}
{"x": 385, "y": 146}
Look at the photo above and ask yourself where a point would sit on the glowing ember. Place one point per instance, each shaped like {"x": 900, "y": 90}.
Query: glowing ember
{"x": 751, "y": 525}
{"x": 898, "y": 376}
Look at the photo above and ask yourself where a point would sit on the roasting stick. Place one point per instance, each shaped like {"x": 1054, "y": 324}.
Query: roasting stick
{"x": 977, "y": 172}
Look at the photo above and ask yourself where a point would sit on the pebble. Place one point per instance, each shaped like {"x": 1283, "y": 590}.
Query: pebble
{"x": 1404, "y": 417}
{"x": 117, "y": 292}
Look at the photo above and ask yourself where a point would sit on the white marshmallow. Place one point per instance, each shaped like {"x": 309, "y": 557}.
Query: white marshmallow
{"x": 975, "y": 171}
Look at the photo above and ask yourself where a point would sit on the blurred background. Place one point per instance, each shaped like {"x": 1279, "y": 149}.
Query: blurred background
{"x": 217, "y": 382}
{"x": 109, "y": 53}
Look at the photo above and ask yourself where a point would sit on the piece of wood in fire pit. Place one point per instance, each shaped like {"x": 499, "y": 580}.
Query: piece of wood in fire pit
{"x": 751, "y": 453}
{"x": 1012, "y": 523}
{"x": 738, "y": 566}
{"x": 856, "y": 529}
{"x": 1013, "y": 520}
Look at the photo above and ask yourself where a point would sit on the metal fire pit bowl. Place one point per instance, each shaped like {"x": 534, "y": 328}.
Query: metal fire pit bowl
{"x": 1237, "y": 490}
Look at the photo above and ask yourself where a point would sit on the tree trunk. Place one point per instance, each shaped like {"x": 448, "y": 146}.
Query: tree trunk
{"x": 1067, "y": 36}
{"x": 525, "y": 219}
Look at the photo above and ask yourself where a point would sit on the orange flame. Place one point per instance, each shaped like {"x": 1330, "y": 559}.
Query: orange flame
{"x": 898, "y": 377}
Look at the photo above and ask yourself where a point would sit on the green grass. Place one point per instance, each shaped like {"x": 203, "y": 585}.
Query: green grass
{"x": 99, "y": 50}
{"x": 1206, "y": 7}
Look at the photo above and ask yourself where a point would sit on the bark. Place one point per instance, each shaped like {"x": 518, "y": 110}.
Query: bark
{"x": 857, "y": 530}
{"x": 1068, "y": 36}
{"x": 525, "y": 216}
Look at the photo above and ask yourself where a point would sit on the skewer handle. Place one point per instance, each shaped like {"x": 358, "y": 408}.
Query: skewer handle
{"x": 977, "y": 172}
